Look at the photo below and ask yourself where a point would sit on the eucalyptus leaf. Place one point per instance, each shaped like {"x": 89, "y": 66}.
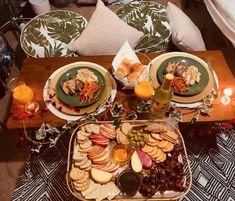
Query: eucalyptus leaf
{"x": 116, "y": 110}
{"x": 36, "y": 148}
{"x": 41, "y": 133}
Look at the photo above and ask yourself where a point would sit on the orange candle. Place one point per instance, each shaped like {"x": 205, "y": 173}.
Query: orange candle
{"x": 22, "y": 94}
{"x": 144, "y": 90}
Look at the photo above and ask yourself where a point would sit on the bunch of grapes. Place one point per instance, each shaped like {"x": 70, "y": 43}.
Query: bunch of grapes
{"x": 168, "y": 175}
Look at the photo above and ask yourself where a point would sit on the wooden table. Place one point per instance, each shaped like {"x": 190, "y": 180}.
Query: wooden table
{"x": 35, "y": 71}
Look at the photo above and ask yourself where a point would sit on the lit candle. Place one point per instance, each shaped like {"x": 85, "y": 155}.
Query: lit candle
{"x": 225, "y": 100}
{"x": 228, "y": 91}
{"x": 144, "y": 90}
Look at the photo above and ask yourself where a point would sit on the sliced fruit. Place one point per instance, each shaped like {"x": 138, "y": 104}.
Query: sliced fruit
{"x": 101, "y": 176}
{"x": 107, "y": 155}
{"x": 145, "y": 159}
{"x": 136, "y": 163}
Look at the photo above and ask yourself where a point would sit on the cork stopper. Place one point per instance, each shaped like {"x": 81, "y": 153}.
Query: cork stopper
{"x": 167, "y": 81}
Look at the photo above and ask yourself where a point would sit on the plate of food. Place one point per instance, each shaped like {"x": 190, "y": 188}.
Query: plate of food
{"x": 80, "y": 86}
{"x": 71, "y": 113}
{"x": 191, "y": 77}
{"x": 133, "y": 160}
{"x": 155, "y": 65}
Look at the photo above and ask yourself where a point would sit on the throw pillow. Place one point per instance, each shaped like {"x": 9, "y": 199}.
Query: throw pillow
{"x": 105, "y": 33}
{"x": 185, "y": 34}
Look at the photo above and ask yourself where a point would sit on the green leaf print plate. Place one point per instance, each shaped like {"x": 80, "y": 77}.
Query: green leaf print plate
{"x": 150, "y": 18}
{"x": 74, "y": 99}
{"x": 193, "y": 89}
{"x": 48, "y": 35}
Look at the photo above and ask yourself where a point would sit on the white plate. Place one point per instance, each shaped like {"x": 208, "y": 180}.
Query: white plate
{"x": 62, "y": 115}
{"x": 162, "y": 57}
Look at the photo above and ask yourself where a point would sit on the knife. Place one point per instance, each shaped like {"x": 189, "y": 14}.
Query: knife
{"x": 215, "y": 85}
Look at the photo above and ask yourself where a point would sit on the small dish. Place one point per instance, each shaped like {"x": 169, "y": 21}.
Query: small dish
{"x": 121, "y": 153}
{"x": 129, "y": 182}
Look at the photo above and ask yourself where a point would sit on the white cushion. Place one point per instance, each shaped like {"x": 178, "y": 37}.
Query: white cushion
{"x": 185, "y": 34}
{"x": 227, "y": 10}
{"x": 105, "y": 33}
{"x": 222, "y": 13}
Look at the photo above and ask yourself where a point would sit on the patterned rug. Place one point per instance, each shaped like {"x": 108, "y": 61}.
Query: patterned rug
{"x": 213, "y": 169}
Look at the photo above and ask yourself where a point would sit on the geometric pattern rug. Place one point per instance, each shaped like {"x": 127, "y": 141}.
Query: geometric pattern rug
{"x": 213, "y": 170}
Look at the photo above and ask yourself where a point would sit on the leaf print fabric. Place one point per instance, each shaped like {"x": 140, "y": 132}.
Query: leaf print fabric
{"x": 151, "y": 19}
{"x": 47, "y": 35}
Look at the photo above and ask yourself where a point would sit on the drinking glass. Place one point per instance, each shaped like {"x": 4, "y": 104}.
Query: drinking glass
{"x": 23, "y": 94}
{"x": 144, "y": 90}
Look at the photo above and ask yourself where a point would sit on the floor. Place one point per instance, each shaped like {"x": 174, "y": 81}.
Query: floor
{"x": 13, "y": 153}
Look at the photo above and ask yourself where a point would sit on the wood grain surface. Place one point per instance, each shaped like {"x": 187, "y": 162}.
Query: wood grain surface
{"x": 35, "y": 72}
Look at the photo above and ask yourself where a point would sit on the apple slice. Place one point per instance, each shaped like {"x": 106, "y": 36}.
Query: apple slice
{"x": 104, "y": 158}
{"x": 97, "y": 136}
{"x": 136, "y": 163}
{"x": 145, "y": 159}
{"x": 96, "y": 155}
{"x": 95, "y": 150}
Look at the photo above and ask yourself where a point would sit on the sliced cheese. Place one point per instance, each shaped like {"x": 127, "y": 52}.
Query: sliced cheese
{"x": 101, "y": 176}
{"x": 95, "y": 194}
{"x": 136, "y": 163}
{"x": 114, "y": 190}
{"x": 104, "y": 191}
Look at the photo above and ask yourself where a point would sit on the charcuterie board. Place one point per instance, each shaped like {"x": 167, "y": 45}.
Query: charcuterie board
{"x": 135, "y": 160}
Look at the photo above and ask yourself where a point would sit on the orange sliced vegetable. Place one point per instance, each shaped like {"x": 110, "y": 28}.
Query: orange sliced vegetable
{"x": 88, "y": 91}
{"x": 179, "y": 84}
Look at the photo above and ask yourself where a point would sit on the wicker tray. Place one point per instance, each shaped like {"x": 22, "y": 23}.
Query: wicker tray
{"x": 167, "y": 195}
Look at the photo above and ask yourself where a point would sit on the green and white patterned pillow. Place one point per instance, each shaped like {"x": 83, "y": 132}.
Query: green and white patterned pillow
{"x": 48, "y": 35}
{"x": 150, "y": 18}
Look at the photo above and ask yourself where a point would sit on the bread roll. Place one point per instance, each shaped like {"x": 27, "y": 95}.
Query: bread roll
{"x": 137, "y": 70}
{"x": 124, "y": 68}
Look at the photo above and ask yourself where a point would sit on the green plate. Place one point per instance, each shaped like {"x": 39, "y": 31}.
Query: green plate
{"x": 194, "y": 89}
{"x": 49, "y": 34}
{"x": 151, "y": 19}
{"x": 74, "y": 100}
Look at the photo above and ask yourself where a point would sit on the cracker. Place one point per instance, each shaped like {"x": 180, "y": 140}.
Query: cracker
{"x": 151, "y": 140}
{"x": 83, "y": 180}
{"x": 76, "y": 173}
{"x": 154, "y": 151}
{"x": 85, "y": 165}
{"x": 85, "y": 144}
{"x": 156, "y": 128}
{"x": 162, "y": 144}
{"x": 169, "y": 147}
{"x": 147, "y": 149}
{"x": 126, "y": 127}
{"x": 95, "y": 128}
{"x": 78, "y": 156}
{"x": 83, "y": 187}
{"x": 156, "y": 136}
{"x": 84, "y": 150}
{"x": 154, "y": 144}
{"x": 80, "y": 136}
{"x": 161, "y": 159}
{"x": 121, "y": 137}
{"x": 81, "y": 162}
{"x": 159, "y": 152}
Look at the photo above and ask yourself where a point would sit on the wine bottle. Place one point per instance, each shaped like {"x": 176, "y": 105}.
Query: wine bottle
{"x": 161, "y": 99}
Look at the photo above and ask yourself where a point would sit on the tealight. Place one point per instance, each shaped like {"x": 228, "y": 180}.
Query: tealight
{"x": 228, "y": 91}
{"x": 225, "y": 100}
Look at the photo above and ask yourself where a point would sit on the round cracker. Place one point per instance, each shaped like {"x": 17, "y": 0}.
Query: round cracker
{"x": 76, "y": 173}
{"x": 126, "y": 127}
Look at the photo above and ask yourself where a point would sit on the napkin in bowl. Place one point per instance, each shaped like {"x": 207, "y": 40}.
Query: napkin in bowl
{"x": 127, "y": 52}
